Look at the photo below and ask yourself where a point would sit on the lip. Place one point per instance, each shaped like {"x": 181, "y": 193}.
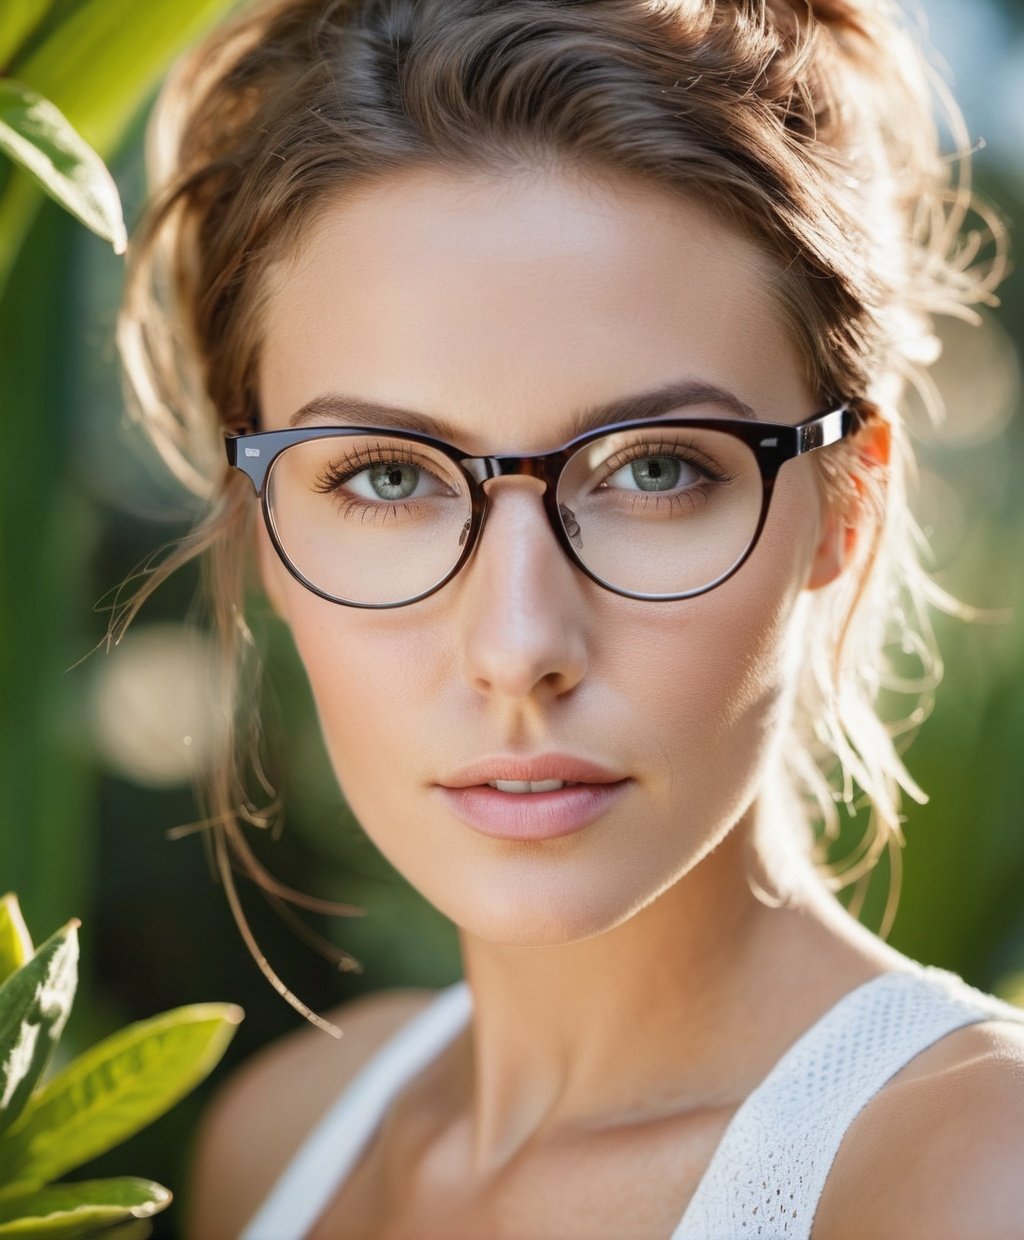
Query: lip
{"x": 534, "y": 815}
{"x": 566, "y": 767}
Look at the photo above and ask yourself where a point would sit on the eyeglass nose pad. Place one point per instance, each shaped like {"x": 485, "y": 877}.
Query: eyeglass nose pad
{"x": 572, "y": 526}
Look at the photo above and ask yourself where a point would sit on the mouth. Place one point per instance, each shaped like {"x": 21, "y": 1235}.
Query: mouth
{"x": 520, "y": 786}
{"x": 534, "y": 799}
{"x": 516, "y": 775}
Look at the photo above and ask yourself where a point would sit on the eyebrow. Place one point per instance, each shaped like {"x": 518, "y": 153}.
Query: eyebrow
{"x": 329, "y": 407}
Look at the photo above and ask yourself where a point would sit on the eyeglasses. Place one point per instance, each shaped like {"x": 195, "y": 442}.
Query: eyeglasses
{"x": 656, "y": 510}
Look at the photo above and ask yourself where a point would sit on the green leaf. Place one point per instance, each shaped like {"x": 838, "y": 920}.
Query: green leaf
{"x": 111, "y": 1091}
{"x": 34, "y": 133}
{"x": 99, "y": 65}
{"x": 34, "y": 1006}
{"x": 21, "y": 17}
{"x": 71, "y": 1210}
{"x": 15, "y": 941}
{"x": 135, "y": 1229}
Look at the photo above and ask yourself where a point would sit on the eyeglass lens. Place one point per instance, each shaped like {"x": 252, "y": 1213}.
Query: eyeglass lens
{"x": 650, "y": 510}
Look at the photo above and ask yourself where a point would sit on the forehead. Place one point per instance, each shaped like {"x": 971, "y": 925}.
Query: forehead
{"x": 504, "y": 305}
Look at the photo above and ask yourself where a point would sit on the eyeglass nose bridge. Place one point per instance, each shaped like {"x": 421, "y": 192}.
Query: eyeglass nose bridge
{"x": 542, "y": 469}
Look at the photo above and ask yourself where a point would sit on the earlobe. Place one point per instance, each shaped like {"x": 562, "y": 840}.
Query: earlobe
{"x": 834, "y": 550}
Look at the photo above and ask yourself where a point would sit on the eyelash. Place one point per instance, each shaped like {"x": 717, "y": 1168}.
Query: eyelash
{"x": 337, "y": 473}
{"x": 686, "y": 451}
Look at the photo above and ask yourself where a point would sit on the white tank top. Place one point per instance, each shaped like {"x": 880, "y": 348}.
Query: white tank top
{"x": 768, "y": 1170}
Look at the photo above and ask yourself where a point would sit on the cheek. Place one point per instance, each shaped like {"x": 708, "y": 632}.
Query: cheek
{"x": 374, "y": 677}
{"x": 712, "y": 676}
{"x": 356, "y": 666}
{"x": 709, "y": 691}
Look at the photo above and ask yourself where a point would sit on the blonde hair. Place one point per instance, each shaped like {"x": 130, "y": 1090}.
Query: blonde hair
{"x": 809, "y": 125}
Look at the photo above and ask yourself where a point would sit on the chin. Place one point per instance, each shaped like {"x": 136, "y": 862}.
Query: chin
{"x": 524, "y": 907}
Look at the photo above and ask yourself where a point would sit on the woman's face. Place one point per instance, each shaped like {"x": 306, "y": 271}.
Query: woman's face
{"x": 501, "y": 308}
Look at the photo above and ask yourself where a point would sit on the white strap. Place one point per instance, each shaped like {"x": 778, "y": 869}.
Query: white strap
{"x": 302, "y": 1193}
{"x": 769, "y": 1169}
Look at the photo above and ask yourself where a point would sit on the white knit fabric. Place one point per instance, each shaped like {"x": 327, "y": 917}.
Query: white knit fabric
{"x": 769, "y": 1168}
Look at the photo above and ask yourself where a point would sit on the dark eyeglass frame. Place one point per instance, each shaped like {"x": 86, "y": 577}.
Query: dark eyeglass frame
{"x": 773, "y": 444}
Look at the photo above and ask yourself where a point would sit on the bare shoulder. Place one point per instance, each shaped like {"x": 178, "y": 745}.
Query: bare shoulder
{"x": 937, "y": 1153}
{"x": 263, "y": 1112}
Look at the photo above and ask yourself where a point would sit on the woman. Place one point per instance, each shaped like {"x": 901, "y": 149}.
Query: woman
{"x": 561, "y": 350}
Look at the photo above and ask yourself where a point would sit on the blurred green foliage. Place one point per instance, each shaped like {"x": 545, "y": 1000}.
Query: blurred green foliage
{"x": 82, "y": 502}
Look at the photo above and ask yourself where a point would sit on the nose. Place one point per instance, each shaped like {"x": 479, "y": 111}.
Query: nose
{"x": 524, "y": 607}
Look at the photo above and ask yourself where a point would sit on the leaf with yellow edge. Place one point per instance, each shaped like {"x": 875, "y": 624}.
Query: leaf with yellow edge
{"x": 85, "y": 1208}
{"x": 112, "y": 1090}
{"x": 15, "y": 941}
{"x": 134, "y": 1229}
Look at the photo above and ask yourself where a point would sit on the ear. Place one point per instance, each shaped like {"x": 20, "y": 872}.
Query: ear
{"x": 841, "y": 530}
{"x": 272, "y": 571}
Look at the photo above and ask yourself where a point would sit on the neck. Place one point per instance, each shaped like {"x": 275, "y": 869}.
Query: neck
{"x": 654, "y": 1016}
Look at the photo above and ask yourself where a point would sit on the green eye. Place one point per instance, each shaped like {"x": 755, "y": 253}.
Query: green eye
{"x": 657, "y": 473}
{"x": 393, "y": 480}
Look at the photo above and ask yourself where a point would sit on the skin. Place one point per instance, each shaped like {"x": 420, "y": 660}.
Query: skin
{"x": 502, "y": 307}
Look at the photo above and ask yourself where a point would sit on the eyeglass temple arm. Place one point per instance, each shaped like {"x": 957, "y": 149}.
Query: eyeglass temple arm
{"x": 822, "y": 431}
{"x": 252, "y": 461}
